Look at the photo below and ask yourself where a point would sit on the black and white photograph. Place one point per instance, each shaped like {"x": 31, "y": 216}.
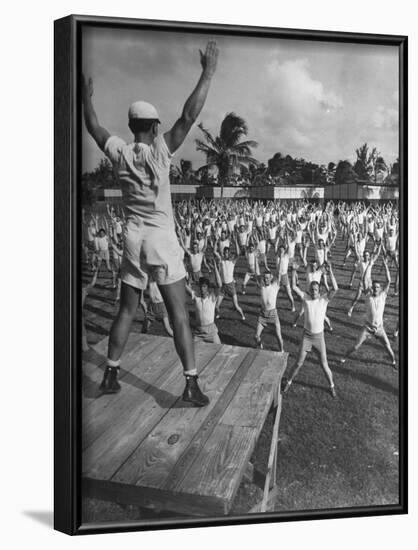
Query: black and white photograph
{"x": 241, "y": 262}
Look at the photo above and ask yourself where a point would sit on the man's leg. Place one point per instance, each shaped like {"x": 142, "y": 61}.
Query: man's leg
{"x": 219, "y": 300}
{"x": 364, "y": 335}
{"x": 279, "y": 335}
{"x": 96, "y": 272}
{"x": 121, "y": 327}
{"x": 325, "y": 281}
{"x": 118, "y": 335}
{"x": 328, "y": 323}
{"x": 397, "y": 275}
{"x": 236, "y": 306}
{"x": 347, "y": 255}
{"x": 289, "y": 295}
{"x": 353, "y": 274}
{"x": 296, "y": 366}
{"x": 257, "y": 336}
{"x": 174, "y": 296}
{"x": 354, "y": 302}
{"x": 323, "y": 361}
{"x": 167, "y": 326}
{"x": 247, "y": 277}
{"x": 382, "y": 336}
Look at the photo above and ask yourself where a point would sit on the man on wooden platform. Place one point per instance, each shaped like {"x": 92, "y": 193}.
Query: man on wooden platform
{"x": 151, "y": 245}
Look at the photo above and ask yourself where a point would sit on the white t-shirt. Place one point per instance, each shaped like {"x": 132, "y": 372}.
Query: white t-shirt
{"x": 102, "y": 243}
{"x": 269, "y": 295}
{"x": 196, "y": 261}
{"x": 242, "y": 237}
{"x": 227, "y": 271}
{"x": 315, "y": 311}
{"x": 320, "y": 255}
{"x": 284, "y": 263}
{"x": 261, "y": 246}
{"x": 205, "y": 309}
{"x": 143, "y": 173}
{"x": 251, "y": 261}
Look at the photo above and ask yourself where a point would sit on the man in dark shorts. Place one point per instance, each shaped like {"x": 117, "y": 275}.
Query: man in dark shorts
{"x": 224, "y": 270}
{"x": 315, "y": 308}
{"x": 375, "y": 307}
{"x": 269, "y": 289}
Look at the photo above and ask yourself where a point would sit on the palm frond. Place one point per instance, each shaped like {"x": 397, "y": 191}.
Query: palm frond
{"x": 233, "y": 127}
{"x": 209, "y": 138}
{"x": 250, "y": 143}
{"x": 205, "y": 148}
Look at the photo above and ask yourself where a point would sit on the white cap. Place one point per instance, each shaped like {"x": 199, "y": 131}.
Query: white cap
{"x": 142, "y": 109}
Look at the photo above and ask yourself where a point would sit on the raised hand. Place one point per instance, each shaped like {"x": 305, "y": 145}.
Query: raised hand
{"x": 209, "y": 59}
{"x": 87, "y": 86}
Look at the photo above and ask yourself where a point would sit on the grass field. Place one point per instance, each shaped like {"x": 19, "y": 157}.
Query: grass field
{"x": 332, "y": 452}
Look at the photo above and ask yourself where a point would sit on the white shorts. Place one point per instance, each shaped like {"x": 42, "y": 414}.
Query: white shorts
{"x": 150, "y": 251}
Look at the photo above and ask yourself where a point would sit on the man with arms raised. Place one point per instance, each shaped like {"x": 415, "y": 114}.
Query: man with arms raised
{"x": 151, "y": 245}
{"x": 269, "y": 288}
{"x": 375, "y": 307}
{"x": 315, "y": 308}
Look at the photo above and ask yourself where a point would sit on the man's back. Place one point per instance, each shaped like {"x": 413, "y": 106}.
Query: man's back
{"x": 143, "y": 173}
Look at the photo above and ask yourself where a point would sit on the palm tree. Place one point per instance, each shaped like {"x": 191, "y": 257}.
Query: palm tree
{"x": 366, "y": 161}
{"x": 226, "y": 151}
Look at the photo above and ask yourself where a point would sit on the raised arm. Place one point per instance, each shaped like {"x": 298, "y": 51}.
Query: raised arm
{"x": 194, "y": 104}
{"x": 97, "y": 132}
{"x": 334, "y": 286}
{"x": 387, "y": 274}
{"x": 217, "y": 274}
{"x": 375, "y": 255}
{"x": 295, "y": 287}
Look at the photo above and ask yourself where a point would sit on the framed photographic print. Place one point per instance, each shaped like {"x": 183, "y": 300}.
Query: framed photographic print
{"x": 230, "y": 274}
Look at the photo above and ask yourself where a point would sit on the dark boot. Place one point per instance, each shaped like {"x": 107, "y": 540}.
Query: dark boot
{"x": 110, "y": 382}
{"x": 192, "y": 392}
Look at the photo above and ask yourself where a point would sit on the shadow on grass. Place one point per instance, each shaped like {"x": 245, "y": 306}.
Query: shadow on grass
{"x": 367, "y": 379}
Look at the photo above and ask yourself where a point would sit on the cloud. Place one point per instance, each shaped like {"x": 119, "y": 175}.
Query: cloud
{"x": 297, "y": 107}
{"x": 385, "y": 118}
{"x": 314, "y": 100}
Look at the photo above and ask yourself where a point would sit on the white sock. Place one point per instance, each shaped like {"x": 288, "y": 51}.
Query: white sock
{"x": 192, "y": 372}
{"x": 111, "y": 363}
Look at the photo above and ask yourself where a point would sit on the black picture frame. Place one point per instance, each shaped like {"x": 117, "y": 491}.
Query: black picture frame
{"x": 67, "y": 288}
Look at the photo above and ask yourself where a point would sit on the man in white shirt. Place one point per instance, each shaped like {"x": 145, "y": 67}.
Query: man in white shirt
{"x": 363, "y": 263}
{"x": 205, "y": 307}
{"x": 269, "y": 288}
{"x": 313, "y": 273}
{"x": 282, "y": 266}
{"x": 224, "y": 271}
{"x": 375, "y": 307}
{"x": 151, "y": 245}
{"x": 315, "y": 308}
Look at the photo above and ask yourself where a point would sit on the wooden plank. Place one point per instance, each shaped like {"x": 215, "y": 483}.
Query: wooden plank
{"x": 143, "y": 367}
{"x": 153, "y": 461}
{"x": 94, "y": 364}
{"x": 220, "y": 466}
{"x": 148, "y": 497}
{"x": 271, "y": 501}
{"x": 272, "y": 455}
{"x": 141, "y": 411}
{"x": 183, "y": 465}
{"x": 254, "y": 397}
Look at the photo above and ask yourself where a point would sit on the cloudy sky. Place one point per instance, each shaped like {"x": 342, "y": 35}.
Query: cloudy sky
{"x": 315, "y": 100}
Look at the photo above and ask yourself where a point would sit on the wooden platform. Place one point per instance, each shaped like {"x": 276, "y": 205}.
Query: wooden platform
{"x": 145, "y": 446}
